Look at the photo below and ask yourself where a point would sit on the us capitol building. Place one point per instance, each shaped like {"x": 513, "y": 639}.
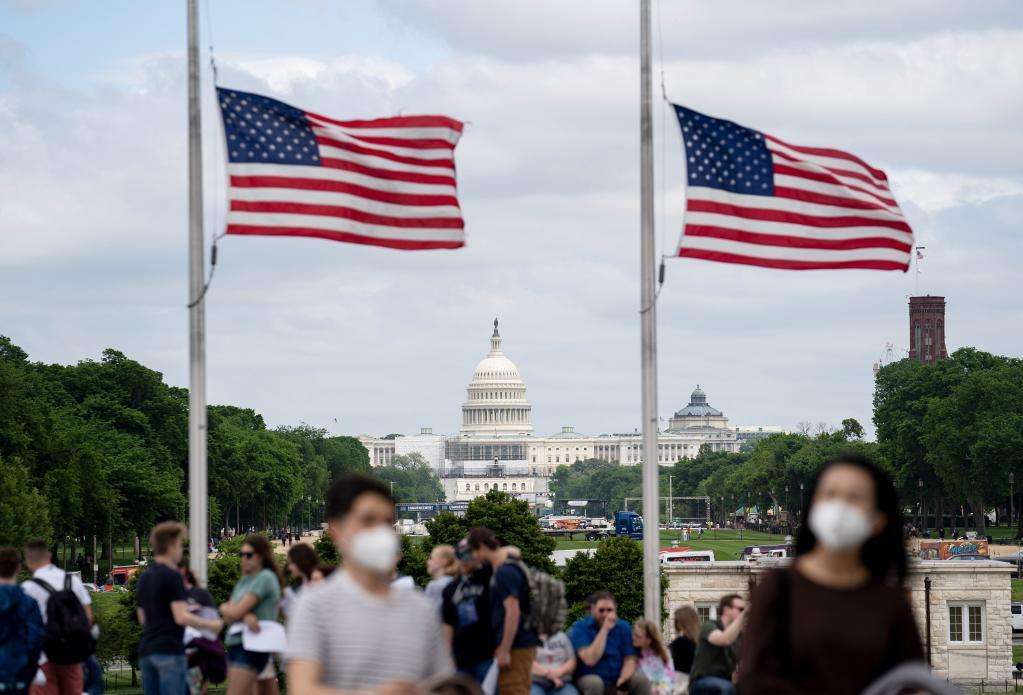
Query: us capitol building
{"x": 496, "y": 447}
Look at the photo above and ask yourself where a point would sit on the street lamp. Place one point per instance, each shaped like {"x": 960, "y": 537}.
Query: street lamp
{"x": 920, "y": 504}
{"x": 1012, "y": 510}
{"x": 800, "y": 497}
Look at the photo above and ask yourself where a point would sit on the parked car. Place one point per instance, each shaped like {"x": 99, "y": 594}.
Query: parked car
{"x": 1017, "y": 616}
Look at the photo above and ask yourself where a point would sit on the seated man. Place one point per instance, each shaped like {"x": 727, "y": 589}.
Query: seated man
{"x": 714, "y": 661}
{"x": 606, "y": 656}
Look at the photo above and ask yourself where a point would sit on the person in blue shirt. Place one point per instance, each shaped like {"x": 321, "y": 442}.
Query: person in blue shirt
{"x": 606, "y": 655}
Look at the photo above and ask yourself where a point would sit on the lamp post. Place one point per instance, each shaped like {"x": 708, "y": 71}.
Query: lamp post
{"x": 800, "y": 498}
{"x": 788, "y": 508}
{"x": 920, "y": 504}
{"x": 1012, "y": 505}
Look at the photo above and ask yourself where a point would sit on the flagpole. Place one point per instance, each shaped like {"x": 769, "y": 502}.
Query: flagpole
{"x": 648, "y": 318}
{"x": 198, "y": 503}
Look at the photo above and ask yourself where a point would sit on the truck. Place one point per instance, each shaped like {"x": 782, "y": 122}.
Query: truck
{"x": 626, "y": 524}
{"x": 934, "y": 549}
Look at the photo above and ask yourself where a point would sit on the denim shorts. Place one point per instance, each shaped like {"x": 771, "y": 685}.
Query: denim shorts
{"x": 239, "y": 657}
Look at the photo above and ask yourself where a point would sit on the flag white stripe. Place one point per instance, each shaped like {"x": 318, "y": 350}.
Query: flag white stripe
{"x": 764, "y": 202}
{"x": 293, "y": 195}
{"x": 382, "y": 162}
{"x": 438, "y": 153}
{"x": 410, "y": 133}
{"x": 789, "y": 253}
{"x": 834, "y": 162}
{"x": 329, "y": 174}
{"x": 272, "y": 220}
{"x": 812, "y": 168}
{"x": 794, "y": 230}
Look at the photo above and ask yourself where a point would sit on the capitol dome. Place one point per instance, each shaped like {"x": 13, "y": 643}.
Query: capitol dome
{"x": 496, "y": 396}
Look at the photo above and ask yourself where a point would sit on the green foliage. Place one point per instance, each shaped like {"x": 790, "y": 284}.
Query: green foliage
{"x": 510, "y": 519}
{"x": 326, "y": 550}
{"x": 120, "y": 631}
{"x": 413, "y": 561}
{"x": 23, "y": 514}
{"x": 616, "y": 566}
{"x": 445, "y": 529}
{"x": 955, "y": 425}
{"x": 414, "y": 480}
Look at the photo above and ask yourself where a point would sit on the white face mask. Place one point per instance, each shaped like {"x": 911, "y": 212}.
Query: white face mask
{"x": 375, "y": 549}
{"x": 839, "y": 526}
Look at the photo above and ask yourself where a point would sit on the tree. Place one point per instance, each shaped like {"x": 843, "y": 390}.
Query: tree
{"x": 445, "y": 528}
{"x": 852, "y": 429}
{"x": 413, "y": 560}
{"x": 616, "y": 566}
{"x": 414, "y": 480}
{"x": 23, "y": 513}
{"x": 511, "y": 521}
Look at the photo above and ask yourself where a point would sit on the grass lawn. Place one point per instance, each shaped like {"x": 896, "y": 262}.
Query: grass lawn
{"x": 726, "y": 544}
{"x": 1017, "y": 589}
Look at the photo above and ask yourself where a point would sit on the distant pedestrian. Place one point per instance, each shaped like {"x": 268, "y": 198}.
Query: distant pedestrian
{"x": 302, "y": 563}
{"x": 443, "y": 567}
{"x": 68, "y": 637}
{"x": 607, "y": 658}
{"x": 553, "y": 666}
{"x": 466, "y": 615}
{"x": 255, "y": 597}
{"x": 714, "y": 661}
{"x": 654, "y": 660}
{"x": 163, "y": 613}
{"x": 510, "y": 607}
{"x": 21, "y": 629}
{"x": 354, "y": 632}
{"x": 683, "y": 647}
{"x": 838, "y": 619}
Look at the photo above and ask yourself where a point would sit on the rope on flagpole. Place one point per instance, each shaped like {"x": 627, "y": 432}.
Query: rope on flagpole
{"x": 661, "y": 202}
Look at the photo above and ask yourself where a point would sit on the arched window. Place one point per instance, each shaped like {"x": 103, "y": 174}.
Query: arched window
{"x": 477, "y": 487}
{"x": 504, "y": 486}
{"x": 468, "y": 487}
{"x": 513, "y": 487}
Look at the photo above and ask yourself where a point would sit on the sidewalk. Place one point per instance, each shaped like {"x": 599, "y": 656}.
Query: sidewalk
{"x": 310, "y": 538}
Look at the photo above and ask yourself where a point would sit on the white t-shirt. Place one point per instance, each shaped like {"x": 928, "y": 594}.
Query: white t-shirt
{"x": 54, "y": 576}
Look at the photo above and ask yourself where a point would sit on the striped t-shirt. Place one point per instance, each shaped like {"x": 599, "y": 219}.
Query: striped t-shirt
{"x": 362, "y": 640}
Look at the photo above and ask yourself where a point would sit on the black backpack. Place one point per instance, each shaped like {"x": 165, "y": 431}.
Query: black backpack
{"x": 68, "y": 634}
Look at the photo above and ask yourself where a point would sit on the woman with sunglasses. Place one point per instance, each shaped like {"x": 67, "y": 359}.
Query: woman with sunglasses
{"x": 255, "y": 597}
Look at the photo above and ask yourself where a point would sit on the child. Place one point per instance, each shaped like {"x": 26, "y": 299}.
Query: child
{"x": 654, "y": 661}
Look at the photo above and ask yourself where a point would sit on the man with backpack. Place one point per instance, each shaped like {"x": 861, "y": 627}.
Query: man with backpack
{"x": 21, "y": 629}
{"x": 515, "y": 639}
{"x": 66, "y": 609}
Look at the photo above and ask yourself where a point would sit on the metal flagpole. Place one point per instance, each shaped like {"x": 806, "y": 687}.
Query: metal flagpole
{"x": 648, "y": 317}
{"x": 198, "y": 504}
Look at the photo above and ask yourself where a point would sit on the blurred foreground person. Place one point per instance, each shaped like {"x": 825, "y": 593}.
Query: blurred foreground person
{"x": 606, "y": 655}
{"x": 21, "y": 629}
{"x": 683, "y": 647}
{"x": 254, "y": 598}
{"x": 302, "y": 563}
{"x": 354, "y": 632}
{"x": 443, "y": 567}
{"x": 163, "y": 613}
{"x": 466, "y": 615}
{"x": 851, "y": 622}
{"x": 654, "y": 661}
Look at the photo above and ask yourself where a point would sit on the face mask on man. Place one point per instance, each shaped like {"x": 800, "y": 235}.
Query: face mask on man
{"x": 839, "y": 526}
{"x": 375, "y": 549}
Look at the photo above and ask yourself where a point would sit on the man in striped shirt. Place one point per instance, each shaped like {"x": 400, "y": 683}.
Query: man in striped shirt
{"x": 357, "y": 632}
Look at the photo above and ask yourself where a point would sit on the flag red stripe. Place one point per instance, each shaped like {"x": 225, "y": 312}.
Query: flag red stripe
{"x": 793, "y": 217}
{"x": 825, "y": 199}
{"x": 390, "y": 174}
{"x": 403, "y": 244}
{"x": 342, "y": 187}
{"x": 795, "y": 242}
{"x": 787, "y": 264}
{"x": 384, "y": 154}
{"x": 837, "y": 172}
{"x": 395, "y": 122}
{"x": 346, "y": 213}
{"x": 829, "y": 179}
{"x": 828, "y": 152}
{"x": 417, "y": 144}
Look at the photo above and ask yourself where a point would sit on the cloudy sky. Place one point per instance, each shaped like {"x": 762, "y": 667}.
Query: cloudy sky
{"x": 93, "y": 200}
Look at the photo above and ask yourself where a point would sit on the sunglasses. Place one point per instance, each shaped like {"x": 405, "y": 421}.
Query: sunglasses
{"x": 248, "y": 555}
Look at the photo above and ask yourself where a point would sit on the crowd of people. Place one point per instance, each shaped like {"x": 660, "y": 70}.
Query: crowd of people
{"x": 486, "y": 622}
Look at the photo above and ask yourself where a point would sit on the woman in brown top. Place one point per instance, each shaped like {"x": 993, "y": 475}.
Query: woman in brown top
{"x": 838, "y": 618}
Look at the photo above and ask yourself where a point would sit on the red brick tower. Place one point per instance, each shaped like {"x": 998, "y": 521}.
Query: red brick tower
{"x": 927, "y": 329}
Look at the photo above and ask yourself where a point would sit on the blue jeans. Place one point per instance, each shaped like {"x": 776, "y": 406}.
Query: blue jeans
{"x": 566, "y": 689}
{"x": 712, "y": 685}
{"x": 477, "y": 671}
{"x": 164, "y": 674}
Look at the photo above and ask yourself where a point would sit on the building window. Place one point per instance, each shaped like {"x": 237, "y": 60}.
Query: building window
{"x": 468, "y": 487}
{"x": 966, "y": 623}
{"x": 504, "y": 486}
{"x": 477, "y": 487}
{"x": 513, "y": 487}
{"x": 706, "y": 611}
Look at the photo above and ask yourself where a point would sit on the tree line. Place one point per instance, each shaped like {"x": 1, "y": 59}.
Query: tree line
{"x": 99, "y": 449}
{"x": 949, "y": 433}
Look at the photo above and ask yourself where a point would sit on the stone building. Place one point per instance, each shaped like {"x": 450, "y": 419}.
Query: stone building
{"x": 969, "y": 623}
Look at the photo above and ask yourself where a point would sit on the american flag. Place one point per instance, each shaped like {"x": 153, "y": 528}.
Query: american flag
{"x": 384, "y": 182}
{"x": 756, "y": 200}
